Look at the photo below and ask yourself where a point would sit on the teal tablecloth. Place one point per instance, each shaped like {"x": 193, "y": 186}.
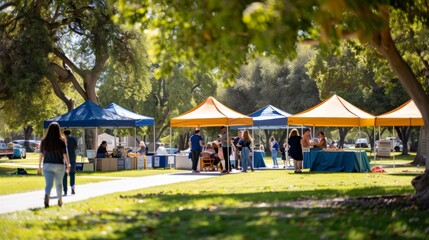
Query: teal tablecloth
{"x": 258, "y": 159}
{"x": 337, "y": 161}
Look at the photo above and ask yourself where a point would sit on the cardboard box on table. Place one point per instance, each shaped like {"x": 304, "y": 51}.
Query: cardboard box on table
{"x": 107, "y": 164}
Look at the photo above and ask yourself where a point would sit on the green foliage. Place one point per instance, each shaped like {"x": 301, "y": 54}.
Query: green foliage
{"x": 60, "y": 49}
{"x": 127, "y": 84}
{"x": 265, "y": 81}
{"x": 358, "y": 75}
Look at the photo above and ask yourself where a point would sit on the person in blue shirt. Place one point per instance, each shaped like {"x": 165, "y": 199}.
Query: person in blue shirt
{"x": 196, "y": 144}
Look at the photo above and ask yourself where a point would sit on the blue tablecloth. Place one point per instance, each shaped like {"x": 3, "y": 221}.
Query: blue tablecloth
{"x": 258, "y": 159}
{"x": 307, "y": 156}
{"x": 337, "y": 161}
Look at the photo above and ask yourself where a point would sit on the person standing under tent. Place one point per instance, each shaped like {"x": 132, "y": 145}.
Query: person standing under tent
{"x": 295, "y": 149}
{"x": 55, "y": 161}
{"x": 226, "y": 147}
{"x": 283, "y": 150}
{"x": 196, "y": 144}
{"x": 274, "y": 147}
{"x": 245, "y": 144}
{"x": 306, "y": 138}
{"x": 238, "y": 149}
{"x": 71, "y": 149}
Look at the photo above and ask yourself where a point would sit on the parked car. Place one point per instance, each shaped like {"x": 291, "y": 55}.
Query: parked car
{"x": 396, "y": 144}
{"x": 361, "y": 143}
{"x": 31, "y": 145}
{"x": 19, "y": 151}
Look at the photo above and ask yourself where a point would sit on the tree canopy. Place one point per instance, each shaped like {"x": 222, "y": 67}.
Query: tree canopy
{"x": 60, "y": 46}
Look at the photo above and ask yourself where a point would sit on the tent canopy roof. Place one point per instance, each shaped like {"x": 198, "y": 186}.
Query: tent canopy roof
{"x": 210, "y": 113}
{"x": 90, "y": 114}
{"x": 405, "y": 115}
{"x": 334, "y": 111}
{"x": 141, "y": 120}
{"x": 268, "y": 117}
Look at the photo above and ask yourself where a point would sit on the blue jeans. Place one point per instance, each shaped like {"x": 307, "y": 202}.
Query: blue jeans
{"x": 245, "y": 159}
{"x": 274, "y": 156}
{"x": 54, "y": 171}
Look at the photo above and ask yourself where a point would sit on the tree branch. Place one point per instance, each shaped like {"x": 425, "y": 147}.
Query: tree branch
{"x": 69, "y": 63}
{"x": 64, "y": 74}
{"x": 59, "y": 92}
{"x": 100, "y": 63}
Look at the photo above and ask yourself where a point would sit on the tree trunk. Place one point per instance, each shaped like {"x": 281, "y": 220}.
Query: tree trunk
{"x": 404, "y": 135}
{"x": 343, "y": 133}
{"x": 27, "y": 134}
{"x": 370, "y": 133}
{"x": 421, "y": 155}
{"x": 384, "y": 43}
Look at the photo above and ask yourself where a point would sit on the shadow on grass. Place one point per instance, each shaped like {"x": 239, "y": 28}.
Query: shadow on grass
{"x": 267, "y": 215}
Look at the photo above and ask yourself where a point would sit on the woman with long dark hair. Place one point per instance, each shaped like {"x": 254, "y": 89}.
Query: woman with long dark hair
{"x": 55, "y": 161}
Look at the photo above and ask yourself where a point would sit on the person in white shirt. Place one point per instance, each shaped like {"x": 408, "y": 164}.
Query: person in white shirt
{"x": 161, "y": 150}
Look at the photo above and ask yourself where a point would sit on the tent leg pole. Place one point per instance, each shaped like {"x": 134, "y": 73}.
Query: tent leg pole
{"x": 393, "y": 131}
{"x": 154, "y": 139}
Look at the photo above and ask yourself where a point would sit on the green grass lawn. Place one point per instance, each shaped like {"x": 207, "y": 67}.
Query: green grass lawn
{"x": 271, "y": 204}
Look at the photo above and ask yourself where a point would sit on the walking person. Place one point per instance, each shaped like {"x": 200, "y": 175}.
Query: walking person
{"x": 71, "y": 148}
{"x": 196, "y": 144}
{"x": 274, "y": 147}
{"x": 55, "y": 161}
{"x": 245, "y": 144}
{"x": 295, "y": 150}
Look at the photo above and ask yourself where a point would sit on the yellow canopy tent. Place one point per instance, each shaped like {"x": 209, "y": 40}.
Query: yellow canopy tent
{"x": 210, "y": 113}
{"x": 334, "y": 111}
{"x": 405, "y": 115}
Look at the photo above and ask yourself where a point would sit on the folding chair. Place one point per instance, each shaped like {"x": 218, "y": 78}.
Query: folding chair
{"x": 206, "y": 162}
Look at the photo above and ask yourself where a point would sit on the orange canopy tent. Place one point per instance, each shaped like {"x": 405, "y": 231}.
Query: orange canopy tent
{"x": 405, "y": 115}
{"x": 334, "y": 111}
{"x": 210, "y": 113}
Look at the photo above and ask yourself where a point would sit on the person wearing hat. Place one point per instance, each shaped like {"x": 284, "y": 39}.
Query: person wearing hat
{"x": 196, "y": 144}
{"x": 71, "y": 150}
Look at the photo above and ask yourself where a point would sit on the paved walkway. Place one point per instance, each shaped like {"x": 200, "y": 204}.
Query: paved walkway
{"x": 34, "y": 199}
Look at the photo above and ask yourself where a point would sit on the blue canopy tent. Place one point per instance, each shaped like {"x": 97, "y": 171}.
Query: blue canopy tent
{"x": 140, "y": 120}
{"x": 268, "y": 117}
{"x": 89, "y": 115}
